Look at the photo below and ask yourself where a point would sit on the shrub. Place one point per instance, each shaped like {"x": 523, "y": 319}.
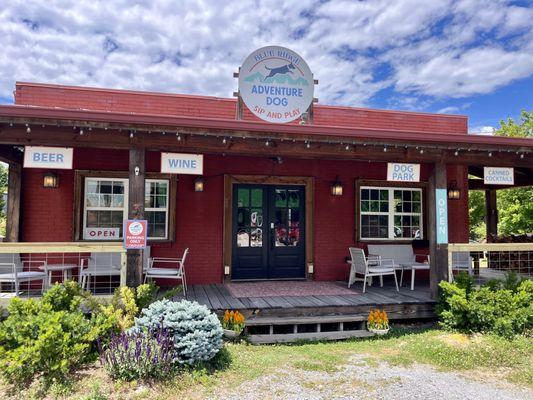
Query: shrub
{"x": 196, "y": 332}
{"x": 37, "y": 340}
{"x": 138, "y": 355}
{"x": 501, "y": 311}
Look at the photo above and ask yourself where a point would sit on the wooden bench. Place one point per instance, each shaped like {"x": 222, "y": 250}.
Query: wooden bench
{"x": 403, "y": 256}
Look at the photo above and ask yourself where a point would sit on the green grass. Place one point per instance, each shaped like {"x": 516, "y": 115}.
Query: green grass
{"x": 479, "y": 355}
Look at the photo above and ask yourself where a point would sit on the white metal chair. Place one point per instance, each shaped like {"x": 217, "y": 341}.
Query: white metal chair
{"x": 168, "y": 268}
{"x": 461, "y": 261}
{"x": 98, "y": 264}
{"x": 12, "y": 271}
{"x": 377, "y": 266}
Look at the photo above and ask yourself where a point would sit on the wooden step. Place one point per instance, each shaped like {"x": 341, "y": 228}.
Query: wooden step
{"x": 259, "y": 321}
{"x": 293, "y": 337}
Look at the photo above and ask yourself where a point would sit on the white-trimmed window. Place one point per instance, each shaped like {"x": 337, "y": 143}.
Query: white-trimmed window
{"x": 106, "y": 205}
{"x": 390, "y": 213}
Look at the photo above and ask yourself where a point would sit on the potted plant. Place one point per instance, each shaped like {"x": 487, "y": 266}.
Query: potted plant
{"x": 378, "y": 322}
{"x": 233, "y": 324}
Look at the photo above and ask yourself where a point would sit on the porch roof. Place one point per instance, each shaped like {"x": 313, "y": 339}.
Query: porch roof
{"x": 169, "y": 123}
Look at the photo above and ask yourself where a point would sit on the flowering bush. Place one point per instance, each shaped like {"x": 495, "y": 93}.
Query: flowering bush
{"x": 378, "y": 320}
{"x": 138, "y": 355}
{"x": 234, "y": 321}
{"x": 196, "y": 332}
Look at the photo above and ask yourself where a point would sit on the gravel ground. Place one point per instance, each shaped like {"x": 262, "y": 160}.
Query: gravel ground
{"x": 361, "y": 381}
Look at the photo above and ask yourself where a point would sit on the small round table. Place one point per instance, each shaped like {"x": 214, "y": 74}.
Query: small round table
{"x": 65, "y": 268}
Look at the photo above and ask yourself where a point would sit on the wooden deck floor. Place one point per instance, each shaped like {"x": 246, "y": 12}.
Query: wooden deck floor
{"x": 405, "y": 304}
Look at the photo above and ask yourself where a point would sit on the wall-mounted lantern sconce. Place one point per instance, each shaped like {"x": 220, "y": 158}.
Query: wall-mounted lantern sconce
{"x": 50, "y": 180}
{"x": 336, "y": 188}
{"x": 199, "y": 184}
{"x": 453, "y": 192}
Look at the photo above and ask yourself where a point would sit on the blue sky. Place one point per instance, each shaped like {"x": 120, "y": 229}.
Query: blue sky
{"x": 472, "y": 57}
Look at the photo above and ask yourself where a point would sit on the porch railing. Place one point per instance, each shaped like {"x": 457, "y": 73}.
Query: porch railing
{"x": 63, "y": 260}
{"x": 491, "y": 260}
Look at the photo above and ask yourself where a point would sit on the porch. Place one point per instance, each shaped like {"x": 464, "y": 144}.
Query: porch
{"x": 279, "y": 317}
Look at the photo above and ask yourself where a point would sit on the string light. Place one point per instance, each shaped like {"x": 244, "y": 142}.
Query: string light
{"x": 28, "y": 129}
{"x": 131, "y": 134}
{"x": 81, "y": 131}
{"x": 307, "y": 145}
{"x": 421, "y": 151}
{"x": 385, "y": 149}
{"x": 347, "y": 147}
{"x": 490, "y": 153}
{"x": 456, "y": 153}
{"x": 224, "y": 140}
{"x": 522, "y": 155}
{"x": 178, "y": 137}
{"x": 267, "y": 143}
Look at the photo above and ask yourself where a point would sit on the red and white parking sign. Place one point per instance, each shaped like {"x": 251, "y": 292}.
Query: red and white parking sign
{"x": 135, "y": 233}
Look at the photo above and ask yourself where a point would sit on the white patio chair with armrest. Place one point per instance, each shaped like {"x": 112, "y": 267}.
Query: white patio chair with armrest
{"x": 168, "y": 268}
{"x": 12, "y": 271}
{"x": 461, "y": 261}
{"x": 377, "y": 266}
{"x": 98, "y": 264}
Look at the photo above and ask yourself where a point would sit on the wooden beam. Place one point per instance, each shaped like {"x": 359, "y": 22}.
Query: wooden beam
{"x": 9, "y": 155}
{"x": 13, "y": 202}
{"x": 136, "y": 190}
{"x": 247, "y": 143}
{"x": 438, "y": 252}
{"x": 491, "y": 214}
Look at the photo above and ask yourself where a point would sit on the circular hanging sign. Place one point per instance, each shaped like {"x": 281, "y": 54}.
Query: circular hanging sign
{"x": 276, "y": 84}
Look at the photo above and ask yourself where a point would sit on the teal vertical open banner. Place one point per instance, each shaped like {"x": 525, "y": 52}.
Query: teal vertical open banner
{"x": 441, "y": 198}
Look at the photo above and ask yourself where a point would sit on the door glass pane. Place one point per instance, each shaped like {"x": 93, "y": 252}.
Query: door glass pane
{"x": 243, "y": 238}
{"x": 243, "y": 197}
{"x": 256, "y": 217}
{"x": 294, "y": 227}
{"x": 294, "y": 198}
{"x": 256, "y": 238}
{"x": 281, "y": 198}
{"x": 257, "y": 197}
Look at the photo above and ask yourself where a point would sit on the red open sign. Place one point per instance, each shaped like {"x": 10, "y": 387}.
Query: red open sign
{"x": 135, "y": 233}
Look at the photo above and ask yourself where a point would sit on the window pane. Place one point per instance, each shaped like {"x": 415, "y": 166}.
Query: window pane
{"x": 365, "y": 206}
{"x": 256, "y": 217}
{"x": 106, "y": 187}
{"x": 118, "y": 200}
{"x": 160, "y": 201}
{"x": 416, "y": 195}
{"x": 256, "y": 237}
{"x": 384, "y": 195}
{"x": 161, "y": 188}
{"x": 384, "y": 206}
{"x": 365, "y": 194}
{"x": 92, "y": 186}
{"x": 374, "y": 194}
{"x": 118, "y": 187}
{"x": 92, "y": 200}
{"x": 105, "y": 200}
{"x": 374, "y": 206}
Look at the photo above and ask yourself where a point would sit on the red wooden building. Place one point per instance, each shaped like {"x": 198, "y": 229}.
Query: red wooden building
{"x": 267, "y": 208}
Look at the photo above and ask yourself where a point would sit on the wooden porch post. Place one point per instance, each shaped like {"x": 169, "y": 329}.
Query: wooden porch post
{"x": 13, "y": 202}
{"x": 491, "y": 216}
{"x": 438, "y": 252}
{"x": 136, "y": 189}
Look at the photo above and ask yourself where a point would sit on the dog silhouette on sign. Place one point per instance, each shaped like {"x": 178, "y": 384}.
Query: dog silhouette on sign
{"x": 284, "y": 69}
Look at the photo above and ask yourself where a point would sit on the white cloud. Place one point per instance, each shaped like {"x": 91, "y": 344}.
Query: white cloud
{"x": 421, "y": 49}
{"x": 481, "y": 130}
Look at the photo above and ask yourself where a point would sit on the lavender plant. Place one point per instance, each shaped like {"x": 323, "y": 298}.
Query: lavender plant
{"x": 138, "y": 355}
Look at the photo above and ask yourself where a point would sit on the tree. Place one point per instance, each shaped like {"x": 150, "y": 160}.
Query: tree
{"x": 515, "y": 206}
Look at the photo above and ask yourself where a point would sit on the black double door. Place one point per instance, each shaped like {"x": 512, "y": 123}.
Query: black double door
{"x": 268, "y": 232}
